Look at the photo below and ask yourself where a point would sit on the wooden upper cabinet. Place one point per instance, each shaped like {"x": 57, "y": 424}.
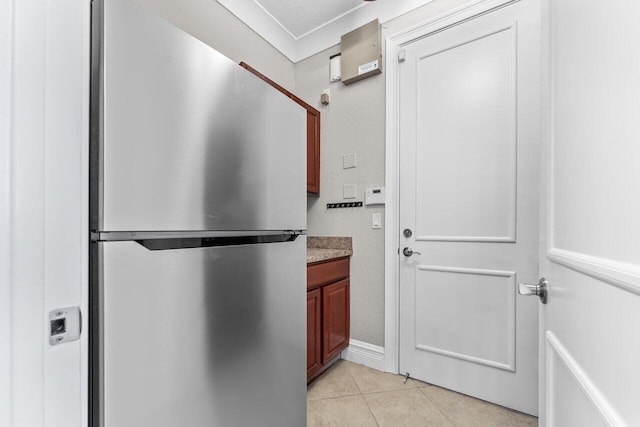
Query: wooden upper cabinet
{"x": 313, "y": 151}
{"x": 313, "y": 133}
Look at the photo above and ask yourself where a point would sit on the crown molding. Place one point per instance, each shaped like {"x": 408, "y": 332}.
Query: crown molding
{"x": 320, "y": 38}
{"x": 249, "y": 12}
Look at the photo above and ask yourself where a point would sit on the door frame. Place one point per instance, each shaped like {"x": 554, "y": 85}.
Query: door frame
{"x": 393, "y": 46}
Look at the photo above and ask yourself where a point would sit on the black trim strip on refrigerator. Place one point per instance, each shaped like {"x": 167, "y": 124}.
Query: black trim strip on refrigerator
{"x": 94, "y": 413}
{"x": 120, "y": 236}
{"x": 208, "y": 242}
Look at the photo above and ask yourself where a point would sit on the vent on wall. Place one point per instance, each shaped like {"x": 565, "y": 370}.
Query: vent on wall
{"x": 361, "y": 53}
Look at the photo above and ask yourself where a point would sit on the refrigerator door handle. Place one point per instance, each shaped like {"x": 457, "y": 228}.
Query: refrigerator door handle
{"x": 208, "y": 242}
{"x": 157, "y": 241}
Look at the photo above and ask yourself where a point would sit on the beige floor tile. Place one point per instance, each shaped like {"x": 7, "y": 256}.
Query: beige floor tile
{"x": 335, "y": 382}
{"x": 373, "y": 381}
{"x": 405, "y": 408}
{"x": 524, "y": 419}
{"x": 466, "y": 411}
{"x": 349, "y": 394}
{"x": 350, "y": 411}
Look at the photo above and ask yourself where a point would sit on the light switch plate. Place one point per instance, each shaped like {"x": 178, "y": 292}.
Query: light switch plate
{"x": 376, "y": 221}
{"x": 349, "y": 161}
{"x": 349, "y": 191}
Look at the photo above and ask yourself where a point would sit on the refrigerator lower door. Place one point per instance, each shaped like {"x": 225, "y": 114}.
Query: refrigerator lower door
{"x": 203, "y": 336}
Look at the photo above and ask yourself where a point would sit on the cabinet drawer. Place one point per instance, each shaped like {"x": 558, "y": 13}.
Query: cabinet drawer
{"x": 327, "y": 272}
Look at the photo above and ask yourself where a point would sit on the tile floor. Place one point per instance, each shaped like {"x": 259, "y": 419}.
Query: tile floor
{"x": 349, "y": 394}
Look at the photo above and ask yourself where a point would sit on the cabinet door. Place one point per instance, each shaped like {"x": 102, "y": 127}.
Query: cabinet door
{"x": 335, "y": 319}
{"x": 313, "y": 151}
{"x": 314, "y": 320}
{"x": 313, "y": 146}
{"x": 313, "y": 132}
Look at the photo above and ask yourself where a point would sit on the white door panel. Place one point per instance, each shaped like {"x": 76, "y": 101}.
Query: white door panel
{"x": 488, "y": 294}
{"x": 572, "y": 405}
{"x": 589, "y": 326}
{"x": 589, "y": 322}
{"x": 469, "y": 140}
{"x": 464, "y": 109}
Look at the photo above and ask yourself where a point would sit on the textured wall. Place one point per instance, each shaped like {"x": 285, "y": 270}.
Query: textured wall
{"x": 354, "y": 122}
{"x": 213, "y": 24}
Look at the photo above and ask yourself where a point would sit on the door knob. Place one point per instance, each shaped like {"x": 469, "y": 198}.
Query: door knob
{"x": 539, "y": 289}
{"x": 408, "y": 252}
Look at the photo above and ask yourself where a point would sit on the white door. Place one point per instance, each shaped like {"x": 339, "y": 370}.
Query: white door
{"x": 44, "y": 239}
{"x": 469, "y": 155}
{"x": 591, "y": 323}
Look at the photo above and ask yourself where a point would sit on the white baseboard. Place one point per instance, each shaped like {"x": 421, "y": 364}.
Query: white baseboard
{"x": 369, "y": 355}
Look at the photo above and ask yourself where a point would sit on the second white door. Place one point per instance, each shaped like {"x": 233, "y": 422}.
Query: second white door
{"x": 469, "y": 143}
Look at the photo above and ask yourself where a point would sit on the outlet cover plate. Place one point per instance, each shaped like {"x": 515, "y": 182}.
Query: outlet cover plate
{"x": 349, "y": 191}
{"x": 349, "y": 161}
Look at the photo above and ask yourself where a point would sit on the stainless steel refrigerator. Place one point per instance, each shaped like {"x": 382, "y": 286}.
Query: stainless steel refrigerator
{"x": 198, "y": 190}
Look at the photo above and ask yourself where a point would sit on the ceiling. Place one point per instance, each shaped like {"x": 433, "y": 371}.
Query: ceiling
{"x": 301, "y": 28}
{"x": 300, "y": 17}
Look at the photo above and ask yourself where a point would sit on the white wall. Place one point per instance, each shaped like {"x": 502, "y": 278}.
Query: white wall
{"x": 210, "y": 22}
{"x": 354, "y": 122}
{"x": 43, "y": 190}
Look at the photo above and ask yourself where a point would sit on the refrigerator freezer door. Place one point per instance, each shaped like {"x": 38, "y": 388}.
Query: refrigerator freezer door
{"x": 204, "y": 337}
{"x": 189, "y": 140}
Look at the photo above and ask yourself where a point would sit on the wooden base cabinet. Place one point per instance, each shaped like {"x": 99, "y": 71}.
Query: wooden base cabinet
{"x": 335, "y": 319}
{"x": 314, "y": 332}
{"x": 327, "y": 314}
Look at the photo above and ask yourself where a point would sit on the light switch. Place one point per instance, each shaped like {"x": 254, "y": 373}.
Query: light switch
{"x": 349, "y": 191}
{"x": 349, "y": 161}
{"x": 376, "y": 220}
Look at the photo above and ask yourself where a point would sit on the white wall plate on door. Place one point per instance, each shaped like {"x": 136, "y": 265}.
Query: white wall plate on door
{"x": 65, "y": 325}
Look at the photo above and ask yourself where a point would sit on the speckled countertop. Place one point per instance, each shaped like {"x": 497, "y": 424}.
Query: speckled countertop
{"x": 326, "y": 248}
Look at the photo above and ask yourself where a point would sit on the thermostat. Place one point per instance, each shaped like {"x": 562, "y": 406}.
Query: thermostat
{"x": 374, "y": 196}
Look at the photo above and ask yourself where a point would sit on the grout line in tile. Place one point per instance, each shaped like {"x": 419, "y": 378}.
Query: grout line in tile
{"x": 372, "y": 413}
{"x": 364, "y": 398}
{"x": 435, "y": 404}
{"x": 369, "y": 393}
{"x": 334, "y": 397}
{"x": 354, "y": 378}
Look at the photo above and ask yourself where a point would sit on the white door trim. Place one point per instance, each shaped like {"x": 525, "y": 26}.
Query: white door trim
{"x": 6, "y": 84}
{"x": 394, "y": 44}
